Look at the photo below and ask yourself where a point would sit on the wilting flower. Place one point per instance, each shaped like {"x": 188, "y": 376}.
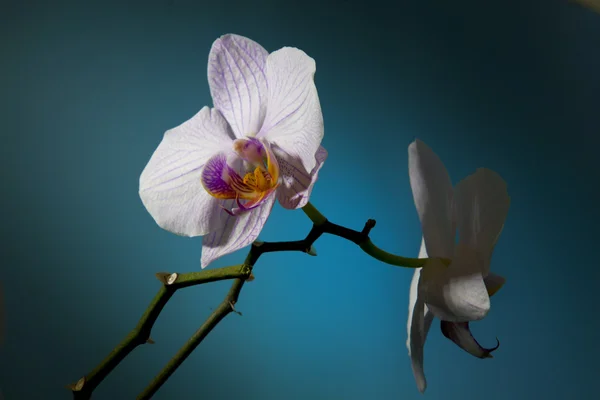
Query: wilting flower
{"x": 217, "y": 175}
{"x": 457, "y": 293}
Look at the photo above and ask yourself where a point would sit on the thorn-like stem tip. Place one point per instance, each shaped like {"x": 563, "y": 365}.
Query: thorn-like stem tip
{"x": 231, "y": 303}
{"x": 370, "y": 224}
{"x": 76, "y": 387}
{"x": 162, "y": 276}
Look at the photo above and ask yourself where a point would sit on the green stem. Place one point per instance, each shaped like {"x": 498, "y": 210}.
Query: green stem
{"x": 361, "y": 239}
{"x": 210, "y": 275}
{"x": 389, "y": 258}
{"x": 315, "y": 216}
{"x": 84, "y": 387}
{"x": 320, "y": 225}
{"x": 226, "y": 307}
{"x": 240, "y": 274}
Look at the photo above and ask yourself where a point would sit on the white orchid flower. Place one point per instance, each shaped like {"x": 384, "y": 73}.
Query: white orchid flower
{"x": 218, "y": 174}
{"x": 459, "y": 292}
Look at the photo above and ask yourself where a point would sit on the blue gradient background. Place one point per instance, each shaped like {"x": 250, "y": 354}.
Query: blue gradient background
{"x": 87, "y": 91}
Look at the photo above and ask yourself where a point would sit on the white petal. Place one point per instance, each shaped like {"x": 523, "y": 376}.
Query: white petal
{"x": 294, "y": 120}
{"x": 419, "y": 322}
{"x": 296, "y": 183}
{"x": 238, "y": 83}
{"x": 413, "y": 291}
{"x": 456, "y": 293}
{"x": 412, "y": 300}
{"x": 170, "y": 185}
{"x": 238, "y": 232}
{"x": 418, "y": 326}
{"x": 423, "y": 249}
{"x": 482, "y": 203}
{"x": 432, "y": 192}
{"x": 412, "y": 294}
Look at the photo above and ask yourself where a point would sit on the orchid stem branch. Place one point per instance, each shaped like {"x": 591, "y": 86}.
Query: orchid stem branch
{"x": 84, "y": 387}
{"x": 320, "y": 226}
{"x": 226, "y": 307}
{"x": 171, "y": 282}
{"x": 361, "y": 239}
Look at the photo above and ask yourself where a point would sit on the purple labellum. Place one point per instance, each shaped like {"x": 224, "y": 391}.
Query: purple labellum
{"x": 223, "y": 182}
{"x": 460, "y": 334}
{"x": 212, "y": 178}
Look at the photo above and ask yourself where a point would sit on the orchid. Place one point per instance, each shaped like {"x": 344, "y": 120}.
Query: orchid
{"x": 455, "y": 284}
{"x": 218, "y": 174}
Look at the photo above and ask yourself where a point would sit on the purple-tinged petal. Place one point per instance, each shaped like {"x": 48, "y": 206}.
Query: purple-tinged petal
{"x": 482, "y": 203}
{"x": 419, "y": 322}
{"x": 296, "y": 183}
{"x": 237, "y": 232}
{"x": 460, "y": 333}
{"x": 432, "y": 192}
{"x": 294, "y": 120}
{"x": 238, "y": 83}
{"x": 170, "y": 185}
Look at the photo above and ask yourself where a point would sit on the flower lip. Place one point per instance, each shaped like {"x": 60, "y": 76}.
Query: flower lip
{"x": 223, "y": 182}
{"x": 460, "y": 333}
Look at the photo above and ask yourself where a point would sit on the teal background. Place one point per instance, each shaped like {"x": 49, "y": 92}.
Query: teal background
{"x": 87, "y": 91}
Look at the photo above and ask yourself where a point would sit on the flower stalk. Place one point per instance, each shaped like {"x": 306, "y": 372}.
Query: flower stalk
{"x": 171, "y": 282}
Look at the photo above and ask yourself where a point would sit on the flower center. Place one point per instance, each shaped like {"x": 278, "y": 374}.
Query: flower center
{"x": 260, "y": 175}
{"x": 262, "y": 169}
